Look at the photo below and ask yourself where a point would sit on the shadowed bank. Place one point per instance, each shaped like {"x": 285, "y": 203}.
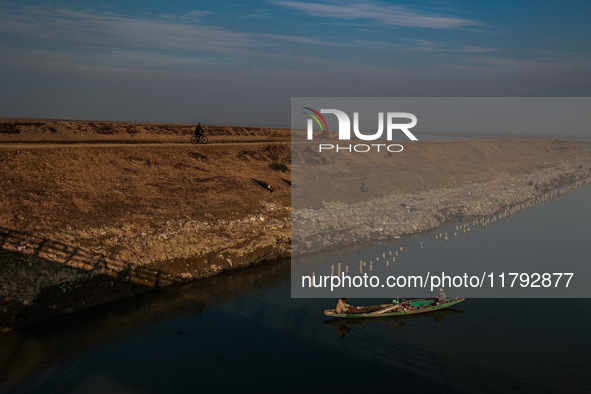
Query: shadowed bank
{"x": 42, "y": 278}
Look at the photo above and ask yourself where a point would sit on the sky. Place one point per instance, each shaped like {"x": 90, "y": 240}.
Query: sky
{"x": 227, "y": 62}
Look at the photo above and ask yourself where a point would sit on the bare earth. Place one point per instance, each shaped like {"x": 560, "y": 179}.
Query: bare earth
{"x": 95, "y": 211}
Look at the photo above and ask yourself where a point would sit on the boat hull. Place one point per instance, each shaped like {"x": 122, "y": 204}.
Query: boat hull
{"x": 428, "y": 306}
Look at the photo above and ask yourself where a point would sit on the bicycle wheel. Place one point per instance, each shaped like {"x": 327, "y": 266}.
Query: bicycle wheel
{"x": 194, "y": 140}
{"x": 203, "y": 139}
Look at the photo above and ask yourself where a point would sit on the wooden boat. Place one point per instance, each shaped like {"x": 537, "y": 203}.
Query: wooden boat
{"x": 440, "y": 313}
{"x": 405, "y": 307}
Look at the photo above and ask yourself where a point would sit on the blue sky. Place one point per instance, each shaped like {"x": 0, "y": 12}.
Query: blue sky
{"x": 227, "y": 62}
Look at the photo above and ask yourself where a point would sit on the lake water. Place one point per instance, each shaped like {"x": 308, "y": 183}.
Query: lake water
{"x": 241, "y": 332}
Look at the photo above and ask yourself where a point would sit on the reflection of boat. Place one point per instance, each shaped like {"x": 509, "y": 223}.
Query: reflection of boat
{"x": 437, "y": 314}
{"x": 408, "y": 307}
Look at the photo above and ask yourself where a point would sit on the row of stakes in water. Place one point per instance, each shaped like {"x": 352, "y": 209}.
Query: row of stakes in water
{"x": 508, "y": 212}
{"x": 465, "y": 228}
{"x": 363, "y": 264}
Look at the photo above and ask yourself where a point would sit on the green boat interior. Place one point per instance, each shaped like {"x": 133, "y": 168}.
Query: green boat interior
{"x": 396, "y": 308}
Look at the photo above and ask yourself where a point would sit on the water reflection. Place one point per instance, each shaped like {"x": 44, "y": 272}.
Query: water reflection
{"x": 36, "y": 347}
{"x": 344, "y": 326}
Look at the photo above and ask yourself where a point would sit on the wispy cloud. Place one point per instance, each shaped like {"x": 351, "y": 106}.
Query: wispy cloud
{"x": 381, "y": 13}
{"x": 476, "y": 49}
{"x": 420, "y": 45}
{"x": 558, "y": 74}
{"x": 258, "y": 14}
{"x": 92, "y": 29}
{"x": 146, "y": 41}
{"x": 297, "y": 39}
{"x": 502, "y": 63}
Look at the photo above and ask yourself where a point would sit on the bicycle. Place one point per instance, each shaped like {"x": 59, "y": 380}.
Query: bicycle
{"x": 201, "y": 140}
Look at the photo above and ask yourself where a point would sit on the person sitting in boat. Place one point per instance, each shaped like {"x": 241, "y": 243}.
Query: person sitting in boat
{"x": 343, "y": 307}
{"x": 441, "y": 298}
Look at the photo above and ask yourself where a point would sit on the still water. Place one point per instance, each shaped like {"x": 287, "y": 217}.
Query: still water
{"x": 242, "y": 332}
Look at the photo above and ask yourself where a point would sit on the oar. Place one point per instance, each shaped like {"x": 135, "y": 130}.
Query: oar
{"x": 388, "y": 309}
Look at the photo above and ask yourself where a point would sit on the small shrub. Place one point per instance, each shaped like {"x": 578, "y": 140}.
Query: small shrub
{"x": 129, "y": 129}
{"x": 105, "y": 129}
{"x": 278, "y": 166}
{"x": 9, "y": 128}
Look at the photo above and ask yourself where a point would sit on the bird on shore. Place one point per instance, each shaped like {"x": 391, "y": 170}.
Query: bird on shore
{"x": 363, "y": 188}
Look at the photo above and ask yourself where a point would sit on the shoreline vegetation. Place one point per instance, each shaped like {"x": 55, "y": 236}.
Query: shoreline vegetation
{"x": 84, "y": 225}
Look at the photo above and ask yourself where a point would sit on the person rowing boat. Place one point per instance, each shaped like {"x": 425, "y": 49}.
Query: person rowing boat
{"x": 441, "y": 298}
{"x": 343, "y": 307}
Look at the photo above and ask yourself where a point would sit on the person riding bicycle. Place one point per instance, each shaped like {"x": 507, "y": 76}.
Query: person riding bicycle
{"x": 199, "y": 131}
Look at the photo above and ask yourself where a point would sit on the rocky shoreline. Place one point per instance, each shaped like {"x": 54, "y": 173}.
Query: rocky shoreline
{"x": 46, "y": 276}
{"x": 403, "y": 214}
{"x": 50, "y": 277}
{"x": 85, "y": 226}
{"x": 82, "y": 226}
